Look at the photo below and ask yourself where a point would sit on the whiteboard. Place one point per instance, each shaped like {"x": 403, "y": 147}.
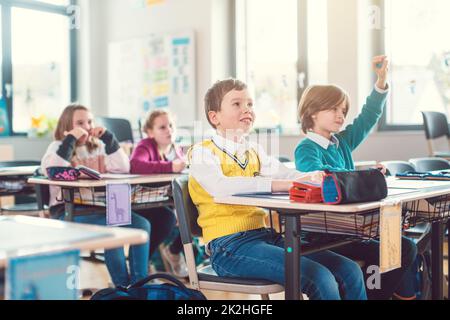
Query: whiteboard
{"x": 157, "y": 71}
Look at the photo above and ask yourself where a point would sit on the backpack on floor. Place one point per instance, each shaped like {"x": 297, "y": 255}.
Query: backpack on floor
{"x": 422, "y": 266}
{"x": 141, "y": 290}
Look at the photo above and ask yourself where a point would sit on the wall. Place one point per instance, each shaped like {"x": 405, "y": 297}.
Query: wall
{"x": 103, "y": 21}
{"x": 25, "y": 148}
{"x": 351, "y": 44}
{"x": 350, "y": 47}
{"x": 116, "y": 20}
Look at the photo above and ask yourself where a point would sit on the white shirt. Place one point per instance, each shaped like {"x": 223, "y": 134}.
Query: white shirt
{"x": 322, "y": 141}
{"x": 205, "y": 167}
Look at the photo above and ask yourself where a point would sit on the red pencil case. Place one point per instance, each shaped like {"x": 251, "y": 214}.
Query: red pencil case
{"x": 306, "y": 193}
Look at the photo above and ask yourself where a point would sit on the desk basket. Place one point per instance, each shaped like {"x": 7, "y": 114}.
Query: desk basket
{"x": 140, "y": 195}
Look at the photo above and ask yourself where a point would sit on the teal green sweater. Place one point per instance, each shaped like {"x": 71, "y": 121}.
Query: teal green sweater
{"x": 309, "y": 156}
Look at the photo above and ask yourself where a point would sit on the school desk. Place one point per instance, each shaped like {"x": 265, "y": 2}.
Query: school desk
{"x": 16, "y": 173}
{"x": 400, "y": 191}
{"x": 24, "y": 236}
{"x": 68, "y": 187}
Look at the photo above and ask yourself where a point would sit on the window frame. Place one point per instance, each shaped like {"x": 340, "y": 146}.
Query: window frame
{"x": 7, "y": 78}
{"x": 383, "y": 125}
{"x": 302, "y": 46}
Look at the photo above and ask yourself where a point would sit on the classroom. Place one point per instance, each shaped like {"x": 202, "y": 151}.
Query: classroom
{"x": 233, "y": 150}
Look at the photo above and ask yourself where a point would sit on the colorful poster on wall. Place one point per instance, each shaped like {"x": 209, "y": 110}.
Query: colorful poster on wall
{"x": 4, "y": 120}
{"x": 153, "y": 2}
{"x": 139, "y": 4}
{"x": 153, "y": 72}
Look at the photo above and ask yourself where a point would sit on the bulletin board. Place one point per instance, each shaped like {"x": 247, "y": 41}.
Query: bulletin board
{"x": 154, "y": 72}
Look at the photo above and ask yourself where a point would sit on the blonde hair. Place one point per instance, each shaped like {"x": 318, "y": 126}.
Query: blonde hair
{"x": 320, "y": 98}
{"x": 150, "y": 123}
{"x": 215, "y": 95}
{"x": 151, "y": 118}
{"x": 65, "y": 124}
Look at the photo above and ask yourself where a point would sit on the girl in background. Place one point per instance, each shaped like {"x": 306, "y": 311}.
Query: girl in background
{"x": 158, "y": 154}
{"x": 79, "y": 142}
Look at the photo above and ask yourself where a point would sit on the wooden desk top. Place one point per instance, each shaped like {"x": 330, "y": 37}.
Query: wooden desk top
{"x": 130, "y": 179}
{"x": 18, "y": 171}
{"x": 399, "y": 193}
{"x": 22, "y": 236}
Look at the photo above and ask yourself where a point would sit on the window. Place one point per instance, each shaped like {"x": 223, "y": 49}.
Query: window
{"x": 39, "y": 63}
{"x": 279, "y": 53}
{"x": 416, "y": 41}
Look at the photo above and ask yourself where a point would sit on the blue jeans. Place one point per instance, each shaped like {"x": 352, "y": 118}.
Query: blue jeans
{"x": 115, "y": 258}
{"x": 400, "y": 281}
{"x": 258, "y": 254}
{"x": 162, "y": 220}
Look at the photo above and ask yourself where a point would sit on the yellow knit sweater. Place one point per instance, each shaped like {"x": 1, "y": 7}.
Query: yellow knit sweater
{"x": 219, "y": 220}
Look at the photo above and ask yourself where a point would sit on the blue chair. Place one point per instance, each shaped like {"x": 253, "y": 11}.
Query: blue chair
{"x": 436, "y": 126}
{"x": 120, "y": 127}
{"x": 430, "y": 164}
{"x": 395, "y": 167}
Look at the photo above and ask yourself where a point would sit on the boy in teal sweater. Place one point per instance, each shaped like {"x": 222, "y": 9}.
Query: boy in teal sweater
{"x": 322, "y": 112}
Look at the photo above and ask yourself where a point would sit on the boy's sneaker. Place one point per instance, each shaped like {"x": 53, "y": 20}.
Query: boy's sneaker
{"x": 176, "y": 262}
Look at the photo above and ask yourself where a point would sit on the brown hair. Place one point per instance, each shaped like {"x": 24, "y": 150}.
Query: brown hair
{"x": 320, "y": 98}
{"x": 151, "y": 118}
{"x": 65, "y": 124}
{"x": 214, "y": 96}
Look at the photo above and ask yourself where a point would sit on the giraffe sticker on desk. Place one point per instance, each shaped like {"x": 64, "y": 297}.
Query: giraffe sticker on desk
{"x": 118, "y": 204}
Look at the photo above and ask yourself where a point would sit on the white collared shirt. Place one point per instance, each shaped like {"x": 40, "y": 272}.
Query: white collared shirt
{"x": 322, "y": 141}
{"x": 206, "y": 168}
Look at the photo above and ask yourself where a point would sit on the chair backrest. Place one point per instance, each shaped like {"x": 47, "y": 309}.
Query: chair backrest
{"x": 120, "y": 127}
{"x": 141, "y": 127}
{"x": 186, "y": 210}
{"x": 436, "y": 125}
{"x": 430, "y": 164}
{"x": 284, "y": 159}
{"x": 395, "y": 167}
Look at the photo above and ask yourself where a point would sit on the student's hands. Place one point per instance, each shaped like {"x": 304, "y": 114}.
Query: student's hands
{"x": 178, "y": 165}
{"x": 285, "y": 185}
{"x": 98, "y": 132}
{"x": 77, "y": 132}
{"x": 382, "y": 168}
{"x": 281, "y": 185}
{"x": 315, "y": 177}
{"x": 380, "y": 65}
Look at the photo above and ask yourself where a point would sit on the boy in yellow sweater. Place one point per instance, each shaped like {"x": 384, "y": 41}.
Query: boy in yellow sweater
{"x": 238, "y": 241}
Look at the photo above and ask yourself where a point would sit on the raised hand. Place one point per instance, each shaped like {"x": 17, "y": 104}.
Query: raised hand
{"x": 380, "y": 65}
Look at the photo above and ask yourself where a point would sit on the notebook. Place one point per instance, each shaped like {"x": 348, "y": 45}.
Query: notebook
{"x": 442, "y": 175}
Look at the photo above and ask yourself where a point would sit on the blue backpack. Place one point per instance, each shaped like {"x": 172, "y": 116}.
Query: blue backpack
{"x": 422, "y": 266}
{"x": 143, "y": 291}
